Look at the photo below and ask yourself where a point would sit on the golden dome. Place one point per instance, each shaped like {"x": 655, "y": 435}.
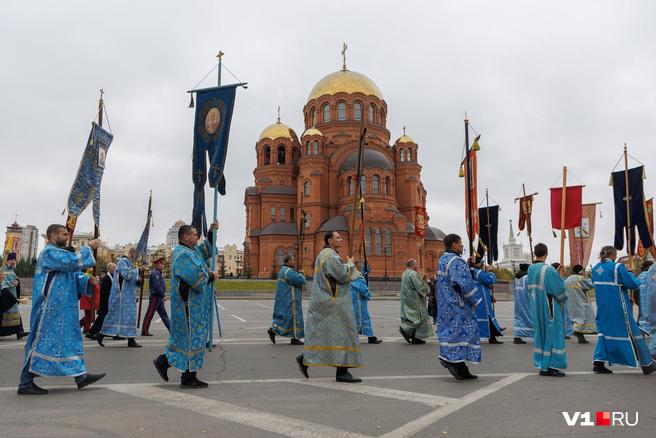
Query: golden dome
{"x": 312, "y": 131}
{"x": 345, "y": 81}
{"x": 405, "y": 139}
{"x": 277, "y": 130}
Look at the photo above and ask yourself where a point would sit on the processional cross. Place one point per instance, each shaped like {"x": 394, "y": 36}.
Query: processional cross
{"x": 344, "y": 47}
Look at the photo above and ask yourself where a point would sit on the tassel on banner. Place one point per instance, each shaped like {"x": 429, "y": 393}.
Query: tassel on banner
{"x": 191, "y": 101}
{"x": 461, "y": 172}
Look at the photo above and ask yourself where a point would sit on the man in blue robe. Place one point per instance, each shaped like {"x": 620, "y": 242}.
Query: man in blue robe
{"x": 567, "y": 320}
{"x": 523, "y": 323}
{"x": 192, "y": 301}
{"x": 288, "y": 304}
{"x": 580, "y": 308}
{"x": 332, "y": 338}
{"x": 651, "y": 308}
{"x": 642, "y": 317}
{"x": 488, "y": 327}
{"x": 549, "y": 297}
{"x": 121, "y": 319}
{"x": 361, "y": 295}
{"x": 620, "y": 340}
{"x": 54, "y": 346}
{"x": 10, "y": 320}
{"x": 457, "y": 298}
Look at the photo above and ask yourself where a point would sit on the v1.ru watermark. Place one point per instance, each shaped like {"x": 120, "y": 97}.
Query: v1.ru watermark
{"x": 602, "y": 419}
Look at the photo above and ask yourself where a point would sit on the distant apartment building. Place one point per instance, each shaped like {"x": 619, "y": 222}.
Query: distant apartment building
{"x": 233, "y": 258}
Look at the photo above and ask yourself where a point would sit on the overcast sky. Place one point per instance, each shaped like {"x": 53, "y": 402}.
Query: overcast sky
{"x": 547, "y": 84}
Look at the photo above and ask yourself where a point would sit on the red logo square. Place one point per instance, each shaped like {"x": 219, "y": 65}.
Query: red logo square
{"x": 603, "y": 418}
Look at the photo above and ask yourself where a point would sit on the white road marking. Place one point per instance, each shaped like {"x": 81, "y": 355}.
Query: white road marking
{"x": 416, "y": 397}
{"x": 431, "y": 418}
{"x": 274, "y": 423}
{"x": 262, "y": 305}
{"x": 240, "y": 319}
{"x": 220, "y": 306}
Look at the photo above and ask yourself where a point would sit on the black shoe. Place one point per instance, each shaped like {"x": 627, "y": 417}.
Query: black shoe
{"x": 568, "y": 337}
{"x": 193, "y": 383}
{"x": 519, "y": 341}
{"x": 89, "y": 336}
{"x": 600, "y": 368}
{"x": 406, "y": 336}
{"x": 581, "y": 338}
{"x": 552, "y": 373}
{"x": 453, "y": 369}
{"x": 346, "y": 377}
{"x": 118, "y": 338}
{"x": 89, "y": 379}
{"x": 374, "y": 340}
{"x": 272, "y": 335}
{"x": 418, "y": 341}
{"x": 302, "y": 366}
{"x": 99, "y": 339}
{"x": 20, "y": 336}
{"x": 465, "y": 373}
{"x": 32, "y": 390}
{"x": 146, "y": 334}
{"x": 494, "y": 340}
{"x": 296, "y": 341}
{"x": 649, "y": 369}
{"x": 133, "y": 344}
{"x": 162, "y": 366}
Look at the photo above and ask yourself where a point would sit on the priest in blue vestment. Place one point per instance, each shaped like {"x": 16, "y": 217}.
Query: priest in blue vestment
{"x": 523, "y": 322}
{"x": 331, "y": 338}
{"x": 549, "y": 298}
{"x": 651, "y": 308}
{"x": 361, "y": 296}
{"x": 488, "y": 327}
{"x": 288, "y": 304}
{"x": 121, "y": 318}
{"x": 192, "y": 301}
{"x": 642, "y": 317}
{"x": 54, "y": 346}
{"x": 457, "y": 299}
{"x": 620, "y": 341}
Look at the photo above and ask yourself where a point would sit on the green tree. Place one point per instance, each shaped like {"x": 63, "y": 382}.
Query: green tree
{"x": 25, "y": 268}
{"x": 222, "y": 267}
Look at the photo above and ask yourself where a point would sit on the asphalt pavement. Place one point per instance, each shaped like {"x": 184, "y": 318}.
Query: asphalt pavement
{"x": 256, "y": 390}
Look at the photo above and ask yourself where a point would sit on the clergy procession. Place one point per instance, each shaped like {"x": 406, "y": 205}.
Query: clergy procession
{"x": 348, "y": 313}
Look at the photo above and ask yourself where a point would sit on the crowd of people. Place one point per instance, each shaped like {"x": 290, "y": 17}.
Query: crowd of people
{"x": 548, "y": 308}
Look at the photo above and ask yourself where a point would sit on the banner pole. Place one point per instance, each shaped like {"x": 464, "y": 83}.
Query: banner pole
{"x": 563, "y": 216}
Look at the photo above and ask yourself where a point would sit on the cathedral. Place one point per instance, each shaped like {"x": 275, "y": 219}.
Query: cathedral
{"x": 304, "y": 186}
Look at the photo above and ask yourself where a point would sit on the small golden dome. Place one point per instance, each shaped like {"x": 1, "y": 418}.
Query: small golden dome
{"x": 277, "y": 130}
{"x": 312, "y": 131}
{"x": 405, "y": 139}
{"x": 345, "y": 81}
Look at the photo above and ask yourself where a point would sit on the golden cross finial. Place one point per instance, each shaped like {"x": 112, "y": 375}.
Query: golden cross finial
{"x": 220, "y": 55}
{"x": 344, "y": 47}
{"x": 404, "y": 130}
{"x": 278, "y": 113}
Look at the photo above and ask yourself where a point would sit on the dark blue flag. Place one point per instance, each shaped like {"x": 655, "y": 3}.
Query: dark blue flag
{"x": 487, "y": 236}
{"x": 142, "y": 245}
{"x": 637, "y": 208}
{"x": 211, "y": 131}
{"x": 86, "y": 187}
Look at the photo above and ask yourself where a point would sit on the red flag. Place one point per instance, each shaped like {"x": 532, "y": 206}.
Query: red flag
{"x": 471, "y": 175}
{"x": 525, "y": 210}
{"x": 573, "y": 210}
{"x": 642, "y": 251}
{"x": 581, "y": 238}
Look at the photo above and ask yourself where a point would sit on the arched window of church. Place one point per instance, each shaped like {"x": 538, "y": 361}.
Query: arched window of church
{"x": 282, "y": 214}
{"x": 402, "y": 155}
{"x": 363, "y": 184}
{"x": 307, "y": 220}
{"x": 281, "y": 155}
{"x": 267, "y": 155}
{"x": 377, "y": 241}
{"x": 273, "y": 214}
{"x": 387, "y": 185}
{"x": 313, "y": 116}
{"x": 306, "y": 188}
{"x": 367, "y": 240}
{"x": 409, "y": 154}
{"x": 349, "y": 182}
{"x": 382, "y": 116}
{"x": 388, "y": 242}
{"x": 357, "y": 111}
{"x": 341, "y": 111}
{"x": 316, "y": 147}
{"x": 372, "y": 113}
{"x": 307, "y": 148}
{"x": 326, "y": 113}
{"x": 375, "y": 184}
{"x": 280, "y": 255}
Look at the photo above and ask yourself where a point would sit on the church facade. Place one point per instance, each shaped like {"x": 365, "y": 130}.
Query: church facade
{"x": 307, "y": 184}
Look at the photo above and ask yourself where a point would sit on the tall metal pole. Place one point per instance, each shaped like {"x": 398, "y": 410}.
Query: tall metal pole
{"x": 627, "y": 198}
{"x": 470, "y": 225}
{"x": 96, "y": 228}
{"x": 563, "y": 216}
{"x": 490, "y": 255}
